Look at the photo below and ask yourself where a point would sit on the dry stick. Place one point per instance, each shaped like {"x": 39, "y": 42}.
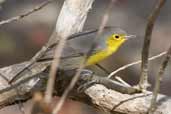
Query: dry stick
{"x": 116, "y": 77}
{"x": 103, "y": 69}
{"x": 20, "y": 105}
{"x": 53, "y": 70}
{"x": 122, "y": 81}
{"x": 16, "y": 18}
{"x": 15, "y": 85}
{"x": 76, "y": 77}
{"x": 31, "y": 62}
{"x": 158, "y": 81}
{"x": 143, "y": 83}
{"x": 134, "y": 63}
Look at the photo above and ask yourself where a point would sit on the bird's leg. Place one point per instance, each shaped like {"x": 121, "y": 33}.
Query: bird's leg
{"x": 88, "y": 78}
{"x": 86, "y": 72}
{"x": 86, "y": 75}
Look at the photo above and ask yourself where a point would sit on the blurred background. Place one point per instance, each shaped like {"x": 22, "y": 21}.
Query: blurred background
{"x": 20, "y": 40}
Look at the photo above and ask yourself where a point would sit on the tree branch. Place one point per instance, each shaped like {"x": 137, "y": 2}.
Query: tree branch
{"x": 16, "y": 18}
{"x": 143, "y": 83}
{"x": 135, "y": 63}
{"x": 116, "y": 102}
{"x": 158, "y": 81}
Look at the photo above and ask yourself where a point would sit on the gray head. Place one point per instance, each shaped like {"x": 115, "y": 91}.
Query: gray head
{"x": 113, "y": 37}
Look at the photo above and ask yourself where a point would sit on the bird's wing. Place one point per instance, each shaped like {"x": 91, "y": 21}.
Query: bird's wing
{"x": 77, "y": 46}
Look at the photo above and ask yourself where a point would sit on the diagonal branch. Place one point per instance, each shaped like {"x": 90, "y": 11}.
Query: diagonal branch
{"x": 143, "y": 83}
{"x": 158, "y": 81}
{"x": 16, "y": 18}
{"x": 134, "y": 63}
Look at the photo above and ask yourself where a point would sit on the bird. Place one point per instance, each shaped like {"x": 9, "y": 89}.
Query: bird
{"x": 79, "y": 44}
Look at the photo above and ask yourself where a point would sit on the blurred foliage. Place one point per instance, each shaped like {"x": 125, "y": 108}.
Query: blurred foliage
{"x": 7, "y": 45}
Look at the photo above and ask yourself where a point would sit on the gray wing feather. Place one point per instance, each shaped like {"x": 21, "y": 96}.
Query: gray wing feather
{"x": 79, "y": 44}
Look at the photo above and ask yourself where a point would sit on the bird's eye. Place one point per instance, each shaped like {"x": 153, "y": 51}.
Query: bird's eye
{"x": 116, "y": 36}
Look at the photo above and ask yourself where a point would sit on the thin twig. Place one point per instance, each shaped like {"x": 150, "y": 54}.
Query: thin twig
{"x": 122, "y": 81}
{"x": 158, "y": 81}
{"x": 103, "y": 69}
{"x": 134, "y": 63}
{"x": 16, "y": 18}
{"x": 143, "y": 83}
{"x": 31, "y": 62}
{"x": 76, "y": 77}
{"x": 116, "y": 77}
{"x": 53, "y": 70}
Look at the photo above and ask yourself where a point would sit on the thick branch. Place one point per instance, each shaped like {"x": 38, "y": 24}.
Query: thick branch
{"x": 128, "y": 104}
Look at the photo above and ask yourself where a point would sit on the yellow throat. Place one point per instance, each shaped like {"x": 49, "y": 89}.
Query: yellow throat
{"x": 113, "y": 42}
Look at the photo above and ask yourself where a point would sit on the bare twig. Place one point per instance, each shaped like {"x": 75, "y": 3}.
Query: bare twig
{"x": 31, "y": 62}
{"x": 158, "y": 81}
{"x": 53, "y": 70}
{"x": 82, "y": 64}
{"x": 122, "y": 81}
{"x": 103, "y": 69}
{"x": 143, "y": 83}
{"x": 134, "y": 63}
{"x": 16, "y": 18}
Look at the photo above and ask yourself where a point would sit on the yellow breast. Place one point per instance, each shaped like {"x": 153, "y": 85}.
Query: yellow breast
{"x": 99, "y": 56}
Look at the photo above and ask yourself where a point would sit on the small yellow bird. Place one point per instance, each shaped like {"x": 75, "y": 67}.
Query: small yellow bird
{"x": 79, "y": 44}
